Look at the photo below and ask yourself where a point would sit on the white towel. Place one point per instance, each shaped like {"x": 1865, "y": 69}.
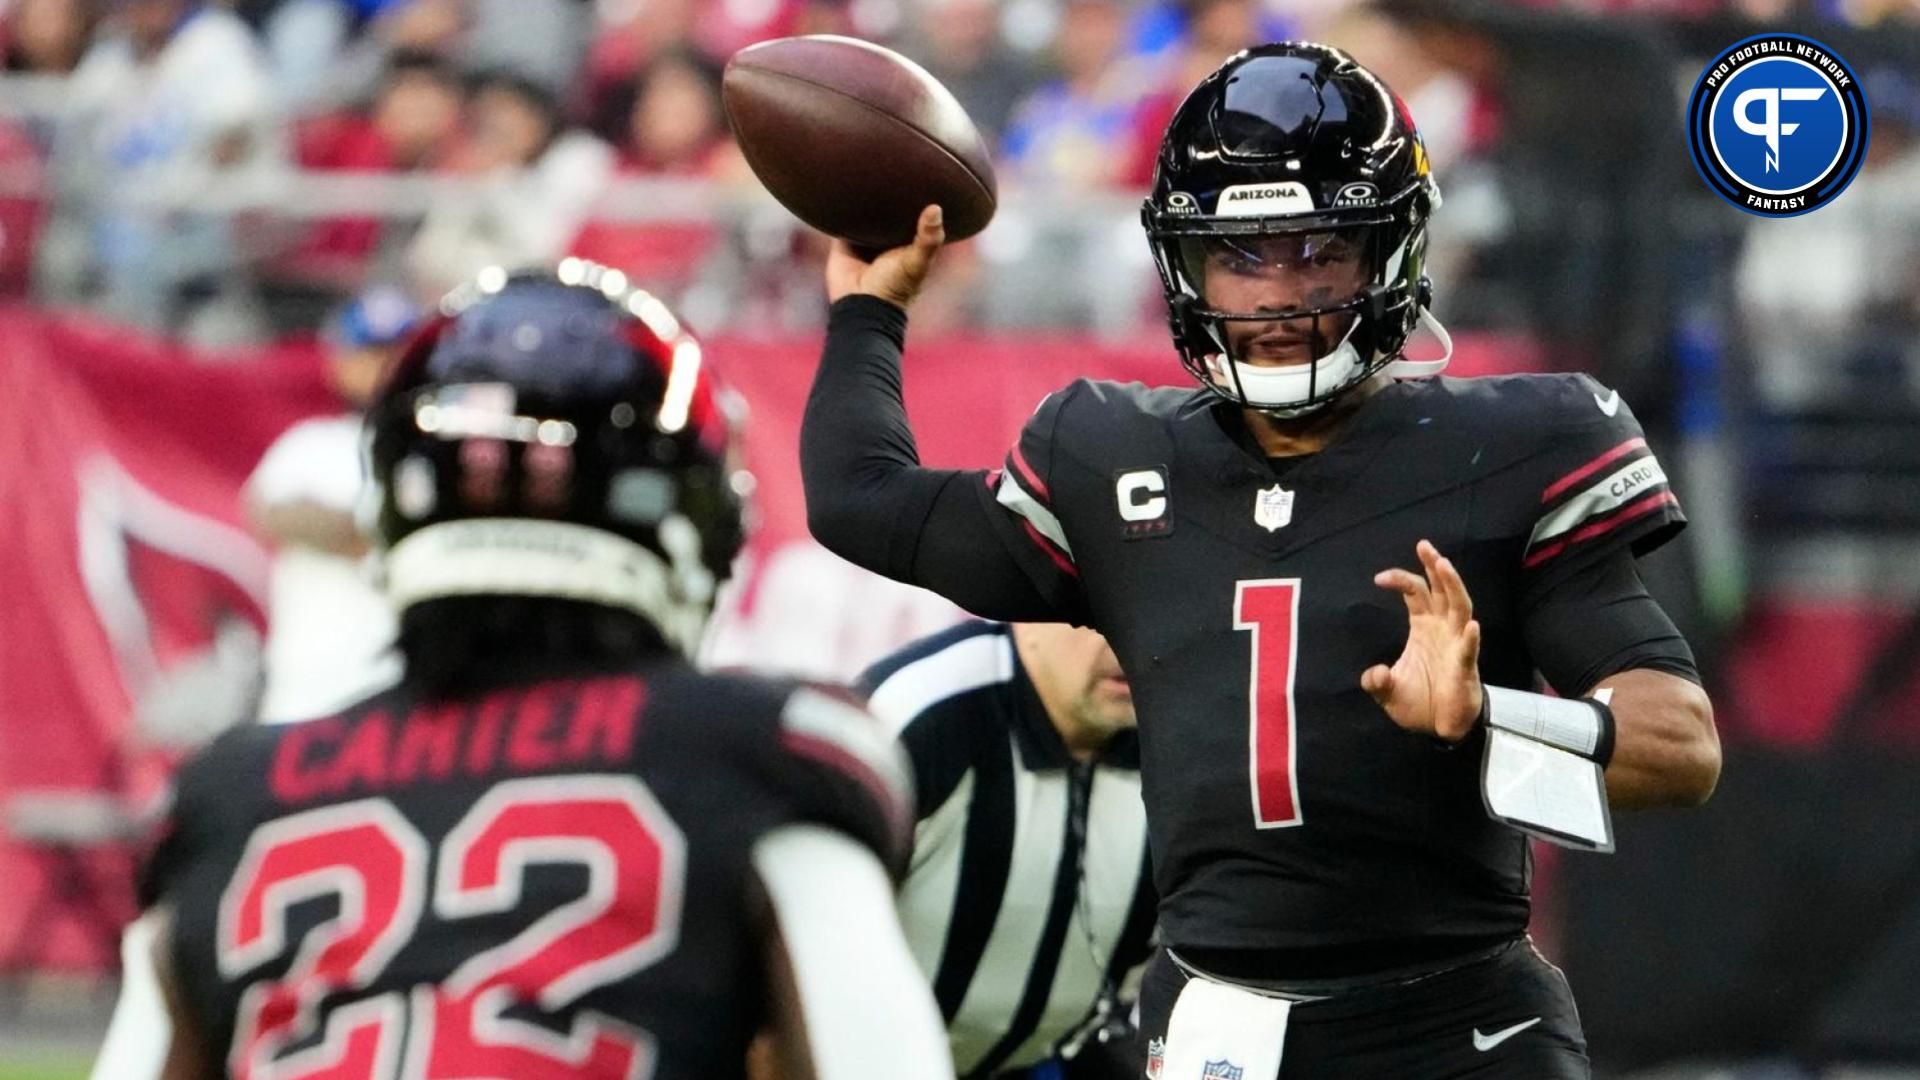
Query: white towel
{"x": 1221, "y": 1032}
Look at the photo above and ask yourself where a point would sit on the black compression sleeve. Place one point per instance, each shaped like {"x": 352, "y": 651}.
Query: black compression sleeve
{"x": 1600, "y": 621}
{"x": 866, "y": 495}
{"x": 868, "y": 499}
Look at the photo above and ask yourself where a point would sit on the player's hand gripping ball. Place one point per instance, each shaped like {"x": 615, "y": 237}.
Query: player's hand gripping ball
{"x": 857, "y": 140}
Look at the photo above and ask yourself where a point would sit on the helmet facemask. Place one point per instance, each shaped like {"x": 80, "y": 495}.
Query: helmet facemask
{"x": 1286, "y": 313}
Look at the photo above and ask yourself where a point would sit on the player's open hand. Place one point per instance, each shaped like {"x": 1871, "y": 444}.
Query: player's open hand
{"x": 894, "y": 275}
{"x": 1434, "y": 687}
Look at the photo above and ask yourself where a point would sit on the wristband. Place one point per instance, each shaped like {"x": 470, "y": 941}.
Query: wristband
{"x": 1580, "y": 725}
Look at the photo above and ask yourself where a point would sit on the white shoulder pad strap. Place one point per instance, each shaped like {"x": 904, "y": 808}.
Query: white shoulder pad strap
{"x": 868, "y": 1010}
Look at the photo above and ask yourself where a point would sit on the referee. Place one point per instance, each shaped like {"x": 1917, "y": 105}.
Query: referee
{"x": 1029, "y": 901}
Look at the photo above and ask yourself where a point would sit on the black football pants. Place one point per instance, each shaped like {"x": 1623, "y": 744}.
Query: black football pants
{"x": 1468, "y": 1022}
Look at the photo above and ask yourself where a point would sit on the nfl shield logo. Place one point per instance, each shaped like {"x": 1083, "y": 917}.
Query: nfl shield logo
{"x": 1220, "y": 1070}
{"x": 1272, "y": 508}
{"x": 1156, "y": 1057}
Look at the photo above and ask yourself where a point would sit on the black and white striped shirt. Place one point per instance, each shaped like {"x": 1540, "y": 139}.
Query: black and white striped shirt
{"x": 1029, "y": 893}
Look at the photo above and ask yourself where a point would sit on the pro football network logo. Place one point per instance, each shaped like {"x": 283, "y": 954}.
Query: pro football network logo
{"x": 1778, "y": 125}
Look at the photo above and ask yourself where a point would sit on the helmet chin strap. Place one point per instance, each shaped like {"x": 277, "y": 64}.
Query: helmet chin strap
{"x": 1403, "y": 368}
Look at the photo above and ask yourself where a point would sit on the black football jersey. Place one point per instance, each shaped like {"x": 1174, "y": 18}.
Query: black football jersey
{"x": 1286, "y": 810}
{"x": 546, "y": 880}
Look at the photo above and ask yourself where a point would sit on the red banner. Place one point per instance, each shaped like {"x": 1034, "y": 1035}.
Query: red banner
{"x": 123, "y": 551}
{"x": 126, "y": 550}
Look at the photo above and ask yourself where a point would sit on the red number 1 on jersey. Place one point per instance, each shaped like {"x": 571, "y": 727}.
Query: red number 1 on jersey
{"x": 1270, "y": 608}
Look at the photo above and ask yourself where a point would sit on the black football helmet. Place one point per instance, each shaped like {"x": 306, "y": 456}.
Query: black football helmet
{"x": 1294, "y": 148}
{"x": 553, "y": 433}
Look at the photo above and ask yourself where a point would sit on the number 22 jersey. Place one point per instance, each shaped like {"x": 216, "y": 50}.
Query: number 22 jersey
{"x": 550, "y": 879}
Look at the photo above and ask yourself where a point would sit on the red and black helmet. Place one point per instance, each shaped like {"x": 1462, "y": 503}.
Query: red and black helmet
{"x": 555, "y": 432}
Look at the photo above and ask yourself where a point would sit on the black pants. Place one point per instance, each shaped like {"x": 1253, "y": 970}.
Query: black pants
{"x": 1460, "y": 1023}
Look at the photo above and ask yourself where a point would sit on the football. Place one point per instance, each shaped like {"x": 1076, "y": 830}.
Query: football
{"x": 855, "y": 139}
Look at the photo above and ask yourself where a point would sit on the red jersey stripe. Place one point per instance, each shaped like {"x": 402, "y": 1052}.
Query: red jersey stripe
{"x": 1027, "y": 477}
{"x": 1059, "y": 558}
{"x": 1637, "y": 509}
{"x": 885, "y": 795}
{"x": 1591, "y": 467}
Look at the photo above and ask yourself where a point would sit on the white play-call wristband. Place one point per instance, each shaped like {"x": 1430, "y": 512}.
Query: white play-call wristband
{"x": 1582, "y": 726}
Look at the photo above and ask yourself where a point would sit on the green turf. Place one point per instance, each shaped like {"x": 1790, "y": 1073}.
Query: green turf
{"x": 45, "y": 1067}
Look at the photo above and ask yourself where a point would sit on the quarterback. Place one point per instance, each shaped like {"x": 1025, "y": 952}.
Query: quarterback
{"x": 1329, "y": 573}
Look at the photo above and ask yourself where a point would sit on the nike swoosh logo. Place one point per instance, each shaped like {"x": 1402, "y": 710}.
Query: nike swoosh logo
{"x": 1609, "y": 404}
{"x": 1484, "y": 1043}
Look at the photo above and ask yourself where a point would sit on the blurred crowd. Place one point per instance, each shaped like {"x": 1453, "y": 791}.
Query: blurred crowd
{"x": 157, "y": 156}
